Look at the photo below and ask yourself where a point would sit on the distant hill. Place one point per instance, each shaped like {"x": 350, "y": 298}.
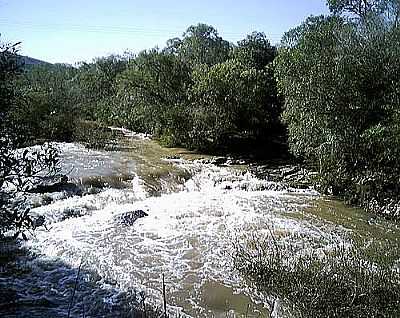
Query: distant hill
{"x": 30, "y": 61}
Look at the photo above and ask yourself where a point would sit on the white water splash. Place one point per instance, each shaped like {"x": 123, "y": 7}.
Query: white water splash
{"x": 187, "y": 236}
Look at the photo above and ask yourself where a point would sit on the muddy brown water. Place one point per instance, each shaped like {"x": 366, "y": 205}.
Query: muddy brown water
{"x": 196, "y": 212}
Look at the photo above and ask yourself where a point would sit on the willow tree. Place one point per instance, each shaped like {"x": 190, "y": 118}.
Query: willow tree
{"x": 200, "y": 44}
{"x": 152, "y": 95}
{"x": 340, "y": 78}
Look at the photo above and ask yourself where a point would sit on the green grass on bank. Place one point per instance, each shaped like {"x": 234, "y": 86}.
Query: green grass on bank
{"x": 338, "y": 281}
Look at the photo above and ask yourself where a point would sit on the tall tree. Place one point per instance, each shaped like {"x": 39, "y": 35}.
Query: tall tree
{"x": 97, "y": 82}
{"x": 51, "y": 97}
{"x": 340, "y": 79}
{"x": 152, "y": 92}
{"x": 230, "y": 99}
{"x": 9, "y": 70}
{"x": 201, "y": 44}
{"x": 389, "y": 10}
{"x": 255, "y": 50}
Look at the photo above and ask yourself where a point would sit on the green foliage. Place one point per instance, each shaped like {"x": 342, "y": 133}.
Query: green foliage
{"x": 200, "y": 44}
{"x": 187, "y": 94}
{"x": 48, "y": 102}
{"x": 367, "y": 10}
{"x": 230, "y": 98}
{"x": 98, "y": 87}
{"x": 255, "y": 50}
{"x": 361, "y": 8}
{"x": 305, "y": 79}
{"x": 152, "y": 94}
{"x": 340, "y": 80}
{"x": 93, "y": 134}
{"x": 10, "y": 69}
{"x": 56, "y": 97}
{"x": 19, "y": 169}
{"x": 327, "y": 281}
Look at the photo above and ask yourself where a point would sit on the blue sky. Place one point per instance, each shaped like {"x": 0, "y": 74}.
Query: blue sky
{"x": 75, "y": 30}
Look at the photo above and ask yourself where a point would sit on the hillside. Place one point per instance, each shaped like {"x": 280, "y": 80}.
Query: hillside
{"x": 28, "y": 61}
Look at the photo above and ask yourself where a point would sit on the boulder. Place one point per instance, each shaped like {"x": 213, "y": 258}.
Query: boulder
{"x": 56, "y": 184}
{"x": 173, "y": 157}
{"x": 128, "y": 218}
{"x": 219, "y": 161}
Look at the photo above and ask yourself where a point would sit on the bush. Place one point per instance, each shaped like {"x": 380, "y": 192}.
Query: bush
{"x": 323, "y": 282}
{"x": 230, "y": 99}
{"x": 20, "y": 169}
{"x": 48, "y": 102}
{"x": 340, "y": 81}
{"x": 152, "y": 93}
{"x": 93, "y": 134}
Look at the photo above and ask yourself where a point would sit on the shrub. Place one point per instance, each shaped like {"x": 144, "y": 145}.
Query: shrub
{"x": 338, "y": 281}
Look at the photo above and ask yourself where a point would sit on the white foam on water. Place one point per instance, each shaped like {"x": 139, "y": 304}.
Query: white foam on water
{"x": 78, "y": 161}
{"x": 188, "y": 236}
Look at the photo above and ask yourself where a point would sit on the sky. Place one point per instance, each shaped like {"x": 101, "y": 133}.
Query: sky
{"x": 69, "y": 31}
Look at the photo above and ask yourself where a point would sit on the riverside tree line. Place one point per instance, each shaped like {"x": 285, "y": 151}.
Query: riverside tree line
{"x": 330, "y": 91}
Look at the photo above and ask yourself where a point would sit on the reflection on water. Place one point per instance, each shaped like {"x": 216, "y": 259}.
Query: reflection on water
{"x": 196, "y": 212}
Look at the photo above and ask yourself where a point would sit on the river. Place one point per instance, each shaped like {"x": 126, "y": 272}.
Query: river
{"x": 196, "y": 213}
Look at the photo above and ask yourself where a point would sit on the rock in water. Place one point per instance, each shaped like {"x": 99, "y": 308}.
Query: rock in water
{"x": 128, "y": 218}
{"x": 219, "y": 161}
{"x": 56, "y": 184}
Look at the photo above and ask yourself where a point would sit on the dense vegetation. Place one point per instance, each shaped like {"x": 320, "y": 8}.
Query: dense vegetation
{"x": 320, "y": 279}
{"x": 332, "y": 86}
{"x": 340, "y": 77}
{"x": 20, "y": 169}
{"x": 330, "y": 91}
{"x": 199, "y": 92}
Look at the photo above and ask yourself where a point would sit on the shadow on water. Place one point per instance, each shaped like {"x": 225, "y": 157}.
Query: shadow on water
{"x": 193, "y": 208}
{"x": 35, "y": 286}
{"x": 39, "y": 286}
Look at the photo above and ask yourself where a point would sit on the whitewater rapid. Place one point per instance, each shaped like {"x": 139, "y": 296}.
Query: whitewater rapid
{"x": 188, "y": 235}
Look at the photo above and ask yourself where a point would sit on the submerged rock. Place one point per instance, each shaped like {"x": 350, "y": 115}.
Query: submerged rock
{"x": 72, "y": 213}
{"x": 173, "y": 157}
{"x": 236, "y": 162}
{"x": 56, "y": 184}
{"x": 219, "y": 161}
{"x": 128, "y": 218}
{"x": 291, "y": 175}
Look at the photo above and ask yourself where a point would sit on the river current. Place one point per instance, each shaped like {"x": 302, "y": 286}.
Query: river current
{"x": 196, "y": 213}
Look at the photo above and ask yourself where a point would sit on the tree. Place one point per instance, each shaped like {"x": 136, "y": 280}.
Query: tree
{"x": 172, "y": 46}
{"x": 340, "y": 81}
{"x": 389, "y": 10}
{"x": 152, "y": 92}
{"x": 49, "y": 102}
{"x": 230, "y": 99}
{"x": 360, "y": 8}
{"x": 9, "y": 71}
{"x": 98, "y": 88}
{"x": 20, "y": 169}
{"x": 200, "y": 44}
{"x": 255, "y": 50}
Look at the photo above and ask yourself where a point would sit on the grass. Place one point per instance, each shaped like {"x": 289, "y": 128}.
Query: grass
{"x": 93, "y": 135}
{"x": 340, "y": 281}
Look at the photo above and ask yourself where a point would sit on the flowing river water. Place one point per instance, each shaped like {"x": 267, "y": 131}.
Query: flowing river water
{"x": 196, "y": 213}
